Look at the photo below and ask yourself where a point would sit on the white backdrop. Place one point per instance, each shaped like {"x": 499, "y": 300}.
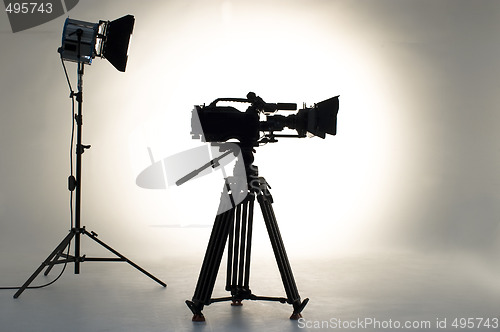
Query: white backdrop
{"x": 414, "y": 165}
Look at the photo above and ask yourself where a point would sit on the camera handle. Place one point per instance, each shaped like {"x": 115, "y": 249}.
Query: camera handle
{"x": 258, "y": 104}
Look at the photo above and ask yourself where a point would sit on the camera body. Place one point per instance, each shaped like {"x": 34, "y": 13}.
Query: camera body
{"x": 223, "y": 123}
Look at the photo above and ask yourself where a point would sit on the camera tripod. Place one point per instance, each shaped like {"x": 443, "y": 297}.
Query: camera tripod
{"x": 236, "y": 223}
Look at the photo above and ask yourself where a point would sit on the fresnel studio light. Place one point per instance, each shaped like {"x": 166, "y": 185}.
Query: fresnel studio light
{"x": 81, "y": 43}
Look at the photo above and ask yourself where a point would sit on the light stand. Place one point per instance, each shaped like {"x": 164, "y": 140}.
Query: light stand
{"x": 58, "y": 256}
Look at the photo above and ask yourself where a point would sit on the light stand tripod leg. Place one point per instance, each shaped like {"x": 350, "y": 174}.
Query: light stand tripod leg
{"x": 54, "y": 261}
{"x": 281, "y": 256}
{"x": 93, "y": 236}
{"x": 68, "y": 258}
{"x": 211, "y": 264}
{"x": 60, "y": 248}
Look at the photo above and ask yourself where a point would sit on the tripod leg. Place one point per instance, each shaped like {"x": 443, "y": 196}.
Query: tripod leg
{"x": 211, "y": 264}
{"x": 94, "y": 237}
{"x": 281, "y": 257}
{"x": 53, "y": 261}
{"x": 60, "y": 248}
{"x": 238, "y": 264}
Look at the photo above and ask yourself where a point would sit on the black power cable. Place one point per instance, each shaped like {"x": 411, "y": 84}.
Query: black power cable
{"x": 72, "y": 96}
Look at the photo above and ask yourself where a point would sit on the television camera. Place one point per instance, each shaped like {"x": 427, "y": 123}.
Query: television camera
{"x": 214, "y": 123}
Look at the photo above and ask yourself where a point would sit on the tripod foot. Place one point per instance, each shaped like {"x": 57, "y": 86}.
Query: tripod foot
{"x": 298, "y": 309}
{"x": 196, "y": 310}
{"x": 236, "y": 303}
{"x": 198, "y": 318}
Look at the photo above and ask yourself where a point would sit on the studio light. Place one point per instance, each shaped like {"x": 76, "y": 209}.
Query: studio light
{"x": 105, "y": 39}
{"x": 82, "y": 42}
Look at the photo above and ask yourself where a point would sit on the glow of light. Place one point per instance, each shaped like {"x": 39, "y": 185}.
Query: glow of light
{"x": 233, "y": 50}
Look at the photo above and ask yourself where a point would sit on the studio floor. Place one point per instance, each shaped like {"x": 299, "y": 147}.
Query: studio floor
{"x": 384, "y": 287}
